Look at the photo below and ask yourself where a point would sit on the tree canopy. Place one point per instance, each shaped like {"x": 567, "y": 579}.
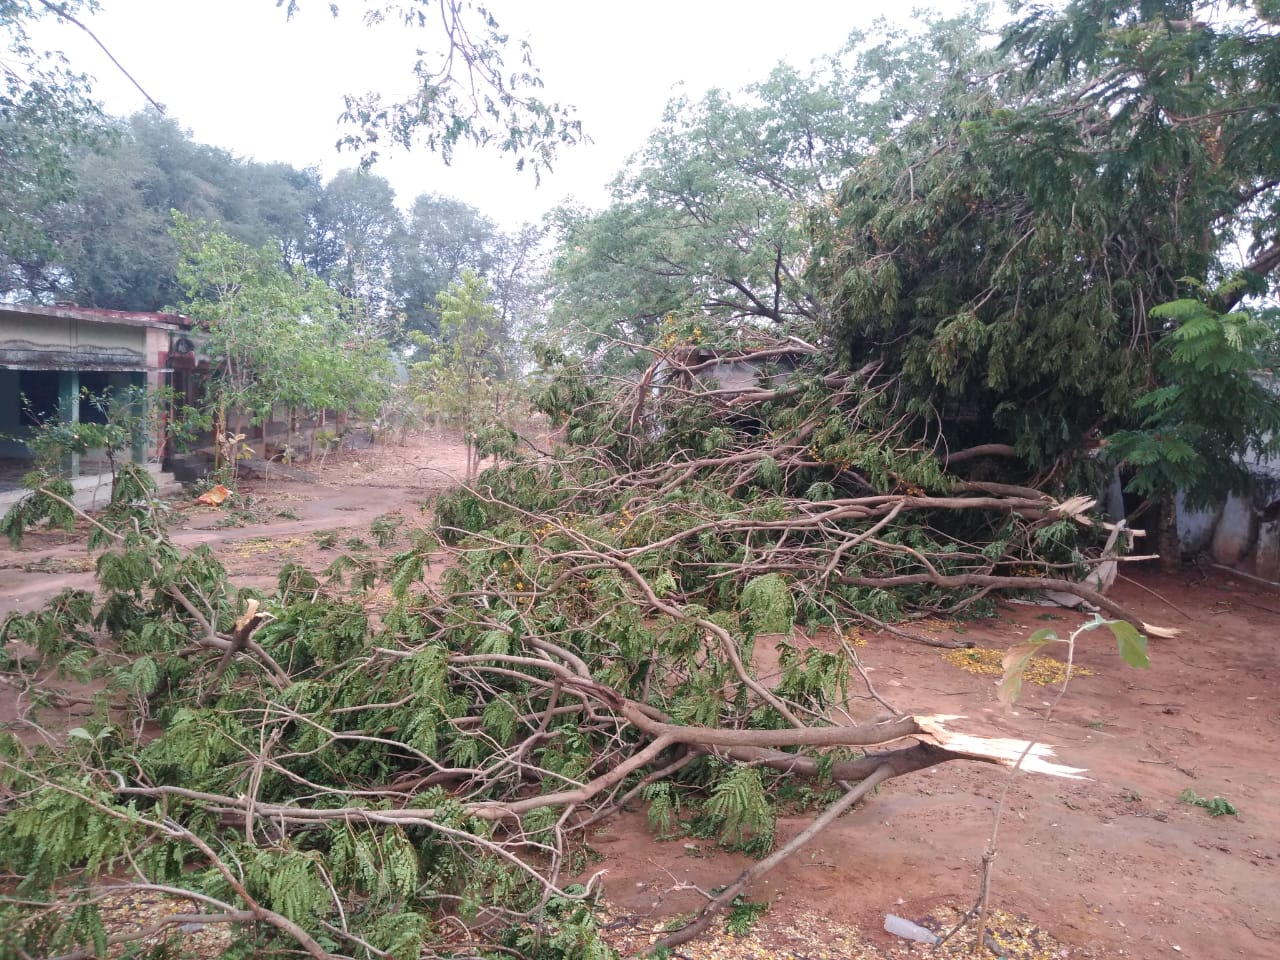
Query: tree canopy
{"x": 281, "y": 338}
{"x": 713, "y": 215}
{"x": 106, "y": 242}
{"x": 994, "y": 219}
{"x": 466, "y": 90}
{"x": 89, "y": 224}
{"x": 1007, "y": 250}
{"x": 107, "y": 236}
{"x": 46, "y": 112}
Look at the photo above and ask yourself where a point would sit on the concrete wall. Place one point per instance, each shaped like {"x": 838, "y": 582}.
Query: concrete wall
{"x": 54, "y": 343}
{"x": 1244, "y": 530}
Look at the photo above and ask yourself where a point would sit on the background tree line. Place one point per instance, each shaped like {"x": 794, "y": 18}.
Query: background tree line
{"x": 1015, "y": 222}
{"x": 105, "y": 239}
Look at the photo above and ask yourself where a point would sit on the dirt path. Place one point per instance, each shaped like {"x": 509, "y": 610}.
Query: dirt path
{"x": 277, "y": 520}
{"x": 1112, "y": 866}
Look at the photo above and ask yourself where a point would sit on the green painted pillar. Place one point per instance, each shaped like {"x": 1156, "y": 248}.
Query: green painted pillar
{"x": 69, "y": 411}
{"x": 138, "y": 381}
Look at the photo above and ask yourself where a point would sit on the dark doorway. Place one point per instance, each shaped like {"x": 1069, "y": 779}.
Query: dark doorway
{"x": 39, "y": 392}
{"x": 93, "y": 385}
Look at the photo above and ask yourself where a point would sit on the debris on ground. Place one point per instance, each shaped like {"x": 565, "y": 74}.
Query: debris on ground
{"x": 811, "y": 936}
{"x": 136, "y": 911}
{"x": 800, "y": 936}
{"x": 1042, "y": 670}
{"x": 215, "y": 496}
{"x": 255, "y": 469}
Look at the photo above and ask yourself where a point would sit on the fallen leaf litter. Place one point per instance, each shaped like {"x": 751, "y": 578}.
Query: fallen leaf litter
{"x": 778, "y": 935}
{"x": 811, "y": 936}
{"x": 1042, "y": 670}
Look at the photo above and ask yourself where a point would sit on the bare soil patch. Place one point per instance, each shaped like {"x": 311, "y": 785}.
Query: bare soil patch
{"x": 1111, "y": 866}
{"x": 274, "y": 519}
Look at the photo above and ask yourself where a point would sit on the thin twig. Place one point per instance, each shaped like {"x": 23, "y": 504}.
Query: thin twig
{"x": 1159, "y": 596}
{"x": 65, "y": 15}
{"x": 989, "y": 855}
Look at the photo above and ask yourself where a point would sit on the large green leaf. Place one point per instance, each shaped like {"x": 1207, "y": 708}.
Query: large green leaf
{"x": 1014, "y": 664}
{"x": 1131, "y": 643}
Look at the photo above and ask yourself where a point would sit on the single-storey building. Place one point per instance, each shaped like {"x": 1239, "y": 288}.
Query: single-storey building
{"x": 50, "y": 354}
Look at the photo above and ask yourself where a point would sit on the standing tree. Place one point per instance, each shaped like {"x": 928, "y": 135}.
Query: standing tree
{"x": 464, "y": 92}
{"x": 442, "y": 237}
{"x": 1210, "y": 410}
{"x": 518, "y": 277}
{"x": 356, "y": 238}
{"x": 713, "y": 216}
{"x": 463, "y": 380}
{"x": 281, "y": 337}
{"x": 45, "y": 114}
{"x": 108, "y": 235}
{"x": 113, "y": 238}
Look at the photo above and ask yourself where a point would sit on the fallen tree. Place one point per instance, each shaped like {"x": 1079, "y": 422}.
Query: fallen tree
{"x": 355, "y": 764}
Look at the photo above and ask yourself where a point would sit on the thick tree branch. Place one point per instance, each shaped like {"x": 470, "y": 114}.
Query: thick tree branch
{"x": 982, "y": 450}
{"x": 1264, "y": 264}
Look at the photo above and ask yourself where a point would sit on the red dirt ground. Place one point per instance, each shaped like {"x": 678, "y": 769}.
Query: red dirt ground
{"x": 1112, "y": 866}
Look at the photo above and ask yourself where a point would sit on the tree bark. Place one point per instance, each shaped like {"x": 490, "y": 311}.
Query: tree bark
{"x": 1167, "y": 543}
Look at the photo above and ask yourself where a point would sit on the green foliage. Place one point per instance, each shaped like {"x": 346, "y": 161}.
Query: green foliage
{"x": 812, "y": 676}
{"x": 375, "y": 736}
{"x": 1214, "y": 407}
{"x": 766, "y": 601}
{"x": 1004, "y": 250}
{"x": 129, "y": 417}
{"x": 400, "y": 933}
{"x": 85, "y": 200}
{"x": 996, "y": 249}
{"x": 711, "y": 219}
{"x": 385, "y": 529}
{"x": 1131, "y": 645}
{"x": 569, "y": 931}
{"x": 466, "y": 92}
{"x": 743, "y": 915}
{"x": 466, "y": 380}
{"x": 280, "y": 337}
{"x": 111, "y": 229}
{"x": 1217, "y": 806}
{"x": 64, "y": 621}
{"x": 664, "y": 809}
{"x": 46, "y": 116}
{"x": 289, "y": 882}
{"x": 80, "y": 926}
{"x": 61, "y": 826}
{"x": 39, "y": 506}
{"x": 744, "y": 814}
{"x": 99, "y": 233}
{"x": 447, "y": 236}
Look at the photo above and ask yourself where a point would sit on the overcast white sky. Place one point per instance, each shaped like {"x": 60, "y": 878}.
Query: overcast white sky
{"x": 240, "y": 77}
